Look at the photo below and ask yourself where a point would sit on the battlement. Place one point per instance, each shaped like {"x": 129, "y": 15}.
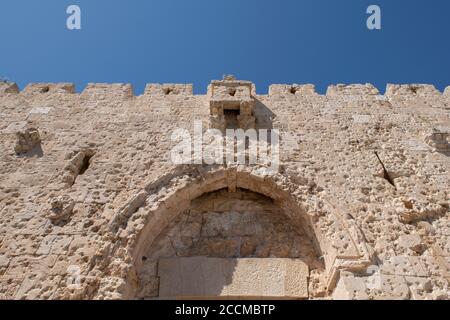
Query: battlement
{"x": 36, "y": 88}
{"x": 8, "y": 87}
{"x": 125, "y": 91}
{"x": 101, "y": 90}
{"x": 447, "y": 92}
{"x": 421, "y": 90}
{"x": 352, "y": 90}
{"x": 167, "y": 89}
{"x": 294, "y": 89}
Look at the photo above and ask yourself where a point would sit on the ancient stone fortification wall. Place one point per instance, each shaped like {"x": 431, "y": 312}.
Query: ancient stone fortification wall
{"x": 86, "y": 180}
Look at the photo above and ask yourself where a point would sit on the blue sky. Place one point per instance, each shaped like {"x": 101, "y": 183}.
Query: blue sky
{"x": 194, "y": 41}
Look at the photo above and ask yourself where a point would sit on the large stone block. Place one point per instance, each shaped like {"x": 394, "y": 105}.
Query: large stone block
{"x": 201, "y": 277}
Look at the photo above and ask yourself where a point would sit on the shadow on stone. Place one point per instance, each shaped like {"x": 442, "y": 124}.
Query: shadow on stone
{"x": 264, "y": 116}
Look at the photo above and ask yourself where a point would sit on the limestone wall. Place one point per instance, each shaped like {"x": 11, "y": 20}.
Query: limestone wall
{"x": 82, "y": 194}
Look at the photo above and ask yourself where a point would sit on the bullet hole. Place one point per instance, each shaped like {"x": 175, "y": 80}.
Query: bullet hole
{"x": 45, "y": 89}
{"x": 293, "y": 90}
{"x": 232, "y": 92}
{"x": 144, "y": 258}
{"x": 408, "y": 205}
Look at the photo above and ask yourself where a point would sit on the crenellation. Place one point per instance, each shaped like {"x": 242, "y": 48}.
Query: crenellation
{"x": 447, "y": 92}
{"x": 104, "y": 91}
{"x": 367, "y": 90}
{"x": 155, "y": 89}
{"x": 48, "y": 88}
{"x": 168, "y": 89}
{"x": 292, "y": 90}
{"x": 8, "y": 87}
{"x": 411, "y": 90}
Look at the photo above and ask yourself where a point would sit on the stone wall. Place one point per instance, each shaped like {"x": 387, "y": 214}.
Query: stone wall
{"x": 77, "y": 213}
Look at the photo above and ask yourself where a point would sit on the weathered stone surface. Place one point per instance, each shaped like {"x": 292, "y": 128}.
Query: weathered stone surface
{"x": 231, "y": 225}
{"x": 104, "y": 199}
{"x": 412, "y": 242}
{"x": 60, "y": 208}
{"x": 27, "y": 140}
{"x": 350, "y": 288}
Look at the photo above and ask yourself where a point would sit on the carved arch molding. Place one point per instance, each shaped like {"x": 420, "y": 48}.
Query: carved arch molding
{"x": 145, "y": 215}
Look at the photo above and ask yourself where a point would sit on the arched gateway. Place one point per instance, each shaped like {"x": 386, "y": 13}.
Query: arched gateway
{"x": 240, "y": 232}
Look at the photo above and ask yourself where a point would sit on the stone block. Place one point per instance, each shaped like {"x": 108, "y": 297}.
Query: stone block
{"x": 350, "y": 287}
{"x": 200, "y": 277}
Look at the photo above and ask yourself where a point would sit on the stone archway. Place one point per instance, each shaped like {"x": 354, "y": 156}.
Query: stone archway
{"x": 229, "y": 244}
{"x": 150, "y": 213}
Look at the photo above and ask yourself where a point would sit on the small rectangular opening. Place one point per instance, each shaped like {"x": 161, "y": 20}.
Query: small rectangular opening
{"x": 231, "y": 118}
{"x": 232, "y": 112}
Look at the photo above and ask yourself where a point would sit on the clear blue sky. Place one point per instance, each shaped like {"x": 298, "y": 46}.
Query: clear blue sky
{"x": 193, "y": 41}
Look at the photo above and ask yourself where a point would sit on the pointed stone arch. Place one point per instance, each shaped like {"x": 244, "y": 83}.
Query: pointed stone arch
{"x": 139, "y": 222}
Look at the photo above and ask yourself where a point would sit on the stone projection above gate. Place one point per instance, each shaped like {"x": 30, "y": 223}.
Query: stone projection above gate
{"x": 231, "y": 104}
